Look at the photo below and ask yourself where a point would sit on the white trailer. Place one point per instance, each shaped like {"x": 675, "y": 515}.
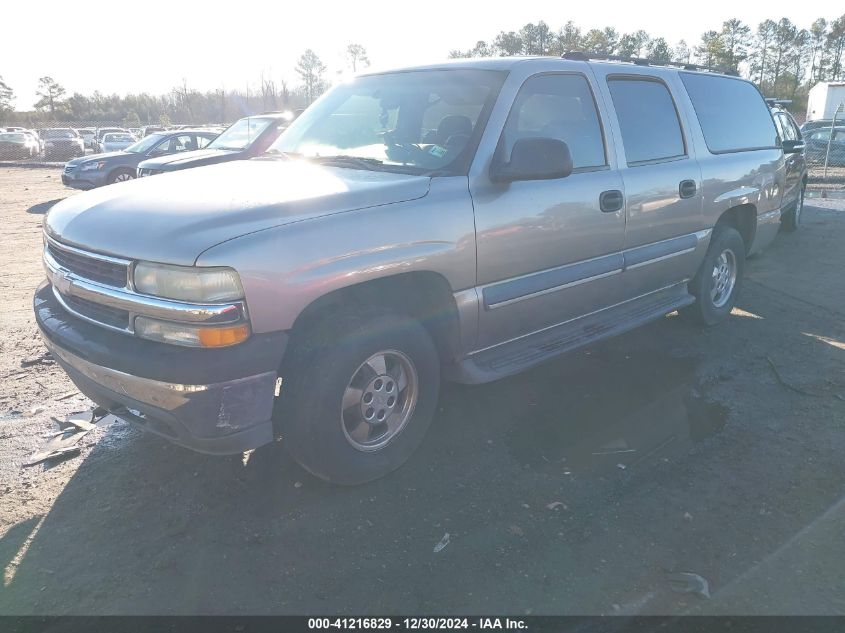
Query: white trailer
{"x": 823, "y": 100}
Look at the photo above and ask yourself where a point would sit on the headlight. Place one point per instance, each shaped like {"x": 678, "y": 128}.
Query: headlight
{"x": 190, "y": 335}
{"x": 92, "y": 166}
{"x": 198, "y": 285}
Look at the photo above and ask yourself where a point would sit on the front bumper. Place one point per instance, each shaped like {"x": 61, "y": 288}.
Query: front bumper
{"x": 217, "y": 401}
{"x": 91, "y": 179}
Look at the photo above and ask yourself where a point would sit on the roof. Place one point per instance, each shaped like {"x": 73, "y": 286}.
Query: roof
{"x": 194, "y": 130}
{"x": 573, "y": 57}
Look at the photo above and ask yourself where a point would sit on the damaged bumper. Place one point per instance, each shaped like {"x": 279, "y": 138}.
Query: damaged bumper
{"x": 213, "y": 401}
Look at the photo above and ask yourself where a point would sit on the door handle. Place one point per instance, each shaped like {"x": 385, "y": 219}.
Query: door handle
{"x": 687, "y": 188}
{"x": 611, "y": 201}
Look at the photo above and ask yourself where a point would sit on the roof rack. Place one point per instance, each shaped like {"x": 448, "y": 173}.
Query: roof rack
{"x": 581, "y": 56}
{"x": 774, "y": 101}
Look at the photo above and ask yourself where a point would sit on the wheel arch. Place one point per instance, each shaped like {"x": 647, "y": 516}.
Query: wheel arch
{"x": 116, "y": 170}
{"x": 422, "y": 295}
{"x": 743, "y": 218}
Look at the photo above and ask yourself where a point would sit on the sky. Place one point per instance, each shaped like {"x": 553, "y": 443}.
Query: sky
{"x": 151, "y": 46}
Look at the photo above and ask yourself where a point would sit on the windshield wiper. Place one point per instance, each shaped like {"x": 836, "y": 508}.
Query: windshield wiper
{"x": 355, "y": 162}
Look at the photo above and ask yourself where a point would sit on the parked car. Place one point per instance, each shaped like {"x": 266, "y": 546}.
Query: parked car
{"x": 796, "y": 164}
{"x": 468, "y": 220}
{"x": 151, "y": 129}
{"x": 39, "y": 142}
{"x": 88, "y": 136}
{"x": 62, "y": 142}
{"x": 809, "y": 126}
{"x": 246, "y": 138}
{"x": 103, "y": 169}
{"x": 101, "y": 132}
{"x": 117, "y": 141}
{"x": 17, "y": 145}
{"x": 819, "y": 141}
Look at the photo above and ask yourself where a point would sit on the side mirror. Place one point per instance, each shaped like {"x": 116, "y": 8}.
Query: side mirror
{"x": 534, "y": 159}
{"x": 792, "y": 147}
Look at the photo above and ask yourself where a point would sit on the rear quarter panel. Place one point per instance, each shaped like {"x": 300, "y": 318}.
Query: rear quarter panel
{"x": 731, "y": 179}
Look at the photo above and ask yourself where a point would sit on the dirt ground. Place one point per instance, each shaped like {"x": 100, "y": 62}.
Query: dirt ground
{"x": 572, "y": 489}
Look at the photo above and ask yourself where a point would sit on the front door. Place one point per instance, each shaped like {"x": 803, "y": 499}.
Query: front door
{"x": 548, "y": 250}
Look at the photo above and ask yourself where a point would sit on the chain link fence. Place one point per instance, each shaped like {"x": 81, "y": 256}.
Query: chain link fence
{"x": 824, "y": 151}
{"x": 54, "y": 141}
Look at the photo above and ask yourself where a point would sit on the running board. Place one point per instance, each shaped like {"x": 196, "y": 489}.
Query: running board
{"x": 523, "y": 353}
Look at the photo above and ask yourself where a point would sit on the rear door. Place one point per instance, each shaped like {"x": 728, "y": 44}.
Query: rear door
{"x": 662, "y": 180}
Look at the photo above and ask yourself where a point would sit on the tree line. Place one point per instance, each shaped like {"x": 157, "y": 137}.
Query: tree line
{"x": 182, "y": 104}
{"x": 783, "y": 59}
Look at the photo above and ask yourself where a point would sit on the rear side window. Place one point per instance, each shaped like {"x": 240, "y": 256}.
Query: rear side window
{"x": 558, "y": 106}
{"x": 732, "y": 113}
{"x": 648, "y": 120}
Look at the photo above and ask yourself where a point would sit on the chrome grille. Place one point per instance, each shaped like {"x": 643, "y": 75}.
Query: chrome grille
{"x": 98, "y": 270}
{"x": 98, "y": 312}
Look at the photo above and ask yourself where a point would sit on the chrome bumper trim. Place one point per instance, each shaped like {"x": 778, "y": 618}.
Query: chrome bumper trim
{"x": 66, "y": 283}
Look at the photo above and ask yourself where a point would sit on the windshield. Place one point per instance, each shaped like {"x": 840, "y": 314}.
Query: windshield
{"x": 145, "y": 143}
{"x": 241, "y": 133}
{"x": 12, "y": 137}
{"x": 119, "y": 138}
{"x": 59, "y": 134}
{"x": 424, "y": 120}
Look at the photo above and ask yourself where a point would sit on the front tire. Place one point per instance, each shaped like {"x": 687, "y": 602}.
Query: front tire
{"x": 359, "y": 393}
{"x": 121, "y": 176}
{"x": 791, "y": 221}
{"x": 718, "y": 281}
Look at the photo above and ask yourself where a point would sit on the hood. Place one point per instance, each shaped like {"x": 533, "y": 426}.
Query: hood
{"x": 94, "y": 158}
{"x": 172, "y": 218}
{"x": 184, "y": 160}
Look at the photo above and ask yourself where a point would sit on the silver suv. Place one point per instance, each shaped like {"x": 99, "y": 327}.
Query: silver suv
{"x": 464, "y": 221}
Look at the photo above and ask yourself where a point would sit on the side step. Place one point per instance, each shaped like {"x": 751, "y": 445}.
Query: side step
{"x": 520, "y": 354}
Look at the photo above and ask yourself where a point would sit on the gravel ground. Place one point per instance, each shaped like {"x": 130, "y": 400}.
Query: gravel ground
{"x": 572, "y": 489}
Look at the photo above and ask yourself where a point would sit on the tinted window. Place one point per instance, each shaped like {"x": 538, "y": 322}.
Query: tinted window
{"x": 647, "y": 118}
{"x": 779, "y": 126}
{"x": 784, "y": 127}
{"x": 790, "y": 122}
{"x": 559, "y": 107}
{"x": 732, "y": 113}
{"x": 202, "y": 141}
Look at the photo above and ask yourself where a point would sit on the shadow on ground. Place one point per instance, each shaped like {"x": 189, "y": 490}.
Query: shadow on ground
{"x": 43, "y": 207}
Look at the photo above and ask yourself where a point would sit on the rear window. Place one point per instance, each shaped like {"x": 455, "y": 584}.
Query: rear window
{"x": 732, "y": 113}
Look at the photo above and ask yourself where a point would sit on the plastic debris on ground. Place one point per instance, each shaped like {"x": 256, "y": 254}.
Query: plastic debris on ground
{"x": 686, "y": 582}
{"x": 442, "y": 543}
{"x": 63, "y": 441}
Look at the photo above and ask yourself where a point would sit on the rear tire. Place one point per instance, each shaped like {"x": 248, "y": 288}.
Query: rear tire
{"x": 791, "y": 221}
{"x": 718, "y": 281}
{"x": 358, "y": 395}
